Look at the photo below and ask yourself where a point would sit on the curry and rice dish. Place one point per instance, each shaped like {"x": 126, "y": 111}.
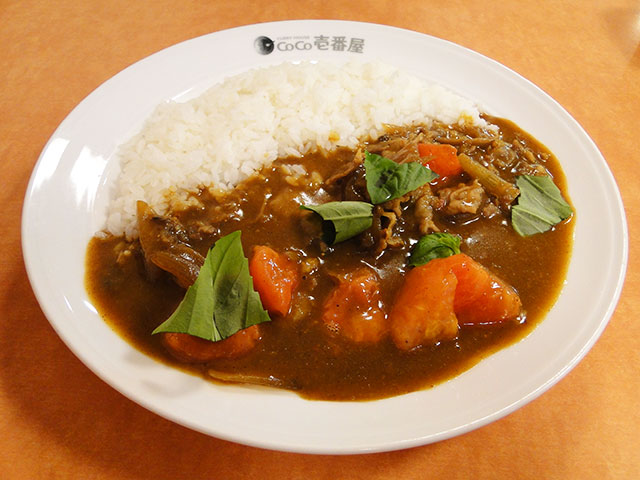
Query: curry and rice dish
{"x": 354, "y": 273}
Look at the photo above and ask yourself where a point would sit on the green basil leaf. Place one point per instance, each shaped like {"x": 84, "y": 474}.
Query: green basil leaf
{"x": 387, "y": 179}
{"x": 540, "y": 205}
{"x": 434, "y": 245}
{"x": 343, "y": 220}
{"x": 222, "y": 300}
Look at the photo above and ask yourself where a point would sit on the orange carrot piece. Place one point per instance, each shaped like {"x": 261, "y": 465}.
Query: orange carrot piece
{"x": 275, "y": 278}
{"x": 353, "y": 308}
{"x": 190, "y": 349}
{"x": 441, "y": 158}
{"x": 422, "y": 313}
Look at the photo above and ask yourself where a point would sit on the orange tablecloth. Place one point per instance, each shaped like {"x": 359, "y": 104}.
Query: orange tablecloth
{"x": 58, "y": 420}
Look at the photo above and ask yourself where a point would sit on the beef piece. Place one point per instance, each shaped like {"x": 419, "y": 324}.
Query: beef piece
{"x": 465, "y": 198}
{"x": 164, "y": 244}
{"x": 424, "y": 213}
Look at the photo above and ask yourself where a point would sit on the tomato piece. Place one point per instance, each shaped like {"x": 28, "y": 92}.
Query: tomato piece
{"x": 438, "y": 297}
{"x": 423, "y": 310}
{"x": 481, "y": 297}
{"x": 353, "y": 308}
{"x": 190, "y": 349}
{"x": 275, "y": 278}
{"x": 441, "y": 158}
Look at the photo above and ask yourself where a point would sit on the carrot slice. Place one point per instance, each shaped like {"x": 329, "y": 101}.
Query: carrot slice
{"x": 441, "y": 158}
{"x": 353, "y": 308}
{"x": 447, "y": 292}
{"x": 190, "y": 349}
{"x": 275, "y": 278}
{"x": 423, "y": 313}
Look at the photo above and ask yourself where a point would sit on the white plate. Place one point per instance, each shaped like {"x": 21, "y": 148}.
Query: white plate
{"x": 65, "y": 205}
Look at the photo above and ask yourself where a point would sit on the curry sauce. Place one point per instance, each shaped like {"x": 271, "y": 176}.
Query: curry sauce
{"x": 297, "y": 351}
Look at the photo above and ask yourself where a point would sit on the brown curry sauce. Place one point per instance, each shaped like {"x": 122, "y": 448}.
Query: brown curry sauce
{"x": 298, "y": 351}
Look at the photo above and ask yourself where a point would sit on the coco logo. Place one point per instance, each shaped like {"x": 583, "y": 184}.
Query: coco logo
{"x": 265, "y": 46}
{"x": 289, "y": 46}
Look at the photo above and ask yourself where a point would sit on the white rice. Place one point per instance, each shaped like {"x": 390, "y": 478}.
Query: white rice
{"x": 247, "y": 121}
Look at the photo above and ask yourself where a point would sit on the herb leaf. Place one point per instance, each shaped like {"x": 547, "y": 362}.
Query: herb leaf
{"x": 222, "y": 300}
{"x": 387, "y": 179}
{"x": 434, "y": 245}
{"x": 343, "y": 220}
{"x": 540, "y": 205}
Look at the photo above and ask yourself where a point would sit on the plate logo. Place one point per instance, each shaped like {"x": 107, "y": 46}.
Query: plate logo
{"x": 336, "y": 43}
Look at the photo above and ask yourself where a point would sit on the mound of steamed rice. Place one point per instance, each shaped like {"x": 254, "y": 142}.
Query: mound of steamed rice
{"x": 247, "y": 121}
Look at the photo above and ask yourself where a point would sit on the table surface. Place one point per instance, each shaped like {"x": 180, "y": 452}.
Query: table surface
{"x": 58, "y": 420}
